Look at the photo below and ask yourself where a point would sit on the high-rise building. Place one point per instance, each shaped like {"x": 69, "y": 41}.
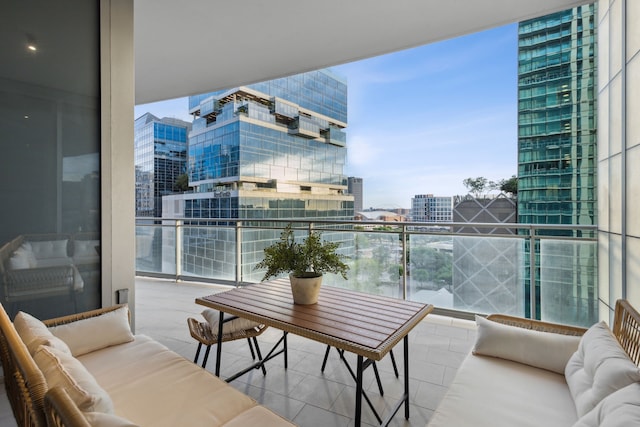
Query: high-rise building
{"x": 557, "y": 150}
{"x": 160, "y": 158}
{"x": 271, "y": 150}
{"x": 355, "y": 188}
{"x": 430, "y": 208}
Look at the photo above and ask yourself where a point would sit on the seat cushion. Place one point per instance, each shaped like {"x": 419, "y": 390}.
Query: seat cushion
{"x": 152, "y": 386}
{"x": 230, "y": 326}
{"x": 492, "y": 392}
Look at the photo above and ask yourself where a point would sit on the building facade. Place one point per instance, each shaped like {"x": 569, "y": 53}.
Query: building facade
{"x": 160, "y": 158}
{"x": 429, "y": 208}
{"x": 355, "y": 188}
{"x": 487, "y": 273}
{"x": 271, "y": 150}
{"x": 557, "y": 83}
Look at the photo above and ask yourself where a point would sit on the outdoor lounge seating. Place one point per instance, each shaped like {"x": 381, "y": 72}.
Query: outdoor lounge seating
{"x": 112, "y": 377}
{"x": 529, "y": 373}
{"x": 203, "y": 334}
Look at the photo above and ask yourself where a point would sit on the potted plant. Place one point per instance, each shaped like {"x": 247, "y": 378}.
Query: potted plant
{"x": 305, "y": 262}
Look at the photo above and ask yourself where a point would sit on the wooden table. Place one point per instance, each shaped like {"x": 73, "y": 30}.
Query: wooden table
{"x": 367, "y": 325}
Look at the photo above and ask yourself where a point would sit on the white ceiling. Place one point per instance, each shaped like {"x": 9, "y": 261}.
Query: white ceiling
{"x": 194, "y": 46}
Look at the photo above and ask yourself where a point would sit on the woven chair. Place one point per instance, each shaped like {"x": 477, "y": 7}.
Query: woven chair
{"x": 201, "y": 332}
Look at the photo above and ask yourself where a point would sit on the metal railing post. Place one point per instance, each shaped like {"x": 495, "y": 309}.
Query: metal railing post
{"x": 238, "y": 253}
{"x": 532, "y": 273}
{"x": 178, "y": 240}
{"x": 403, "y": 236}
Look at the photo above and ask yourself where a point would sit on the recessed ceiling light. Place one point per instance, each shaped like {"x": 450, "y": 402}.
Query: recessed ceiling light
{"x": 26, "y": 116}
{"x": 32, "y": 45}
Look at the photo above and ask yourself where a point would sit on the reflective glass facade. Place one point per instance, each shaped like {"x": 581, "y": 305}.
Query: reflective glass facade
{"x": 275, "y": 149}
{"x": 557, "y": 118}
{"x": 557, "y": 79}
{"x": 160, "y": 158}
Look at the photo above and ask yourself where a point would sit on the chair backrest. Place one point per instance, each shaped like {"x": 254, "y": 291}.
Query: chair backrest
{"x": 626, "y": 328}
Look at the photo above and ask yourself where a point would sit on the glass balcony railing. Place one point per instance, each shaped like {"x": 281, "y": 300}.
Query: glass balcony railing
{"x": 460, "y": 269}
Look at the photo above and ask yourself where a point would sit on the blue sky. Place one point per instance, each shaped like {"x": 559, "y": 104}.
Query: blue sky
{"x": 422, "y": 120}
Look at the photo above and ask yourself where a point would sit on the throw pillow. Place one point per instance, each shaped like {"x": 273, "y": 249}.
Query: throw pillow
{"x": 619, "y": 409}
{"x": 34, "y": 333}
{"x": 229, "y": 327}
{"x": 599, "y": 368}
{"x": 49, "y": 248}
{"x": 100, "y": 419}
{"x": 91, "y": 334}
{"x": 19, "y": 259}
{"x": 543, "y": 350}
{"x": 63, "y": 370}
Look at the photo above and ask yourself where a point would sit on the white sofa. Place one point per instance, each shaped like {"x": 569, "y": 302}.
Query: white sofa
{"x": 526, "y": 373}
{"x": 111, "y": 377}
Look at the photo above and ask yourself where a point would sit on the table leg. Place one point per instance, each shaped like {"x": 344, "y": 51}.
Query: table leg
{"x": 219, "y": 346}
{"x": 406, "y": 376}
{"x": 359, "y": 375}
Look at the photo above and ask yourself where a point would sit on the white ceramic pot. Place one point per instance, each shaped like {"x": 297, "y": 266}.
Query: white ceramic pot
{"x": 305, "y": 290}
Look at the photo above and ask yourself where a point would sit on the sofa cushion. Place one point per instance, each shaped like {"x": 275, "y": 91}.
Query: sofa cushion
{"x": 85, "y": 248}
{"x": 87, "y": 335}
{"x": 620, "y": 409}
{"x": 493, "y": 392}
{"x": 256, "y": 416}
{"x": 153, "y": 386}
{"x": 100, "y": 419}
{"x": 229, "y": 327}
{"x": 49, "y": 248}
{"x": 63, "y": 370}
{"x": 34, "y": 333}
{"x": 539, "y": 349}
{"x": 598, "y": 368}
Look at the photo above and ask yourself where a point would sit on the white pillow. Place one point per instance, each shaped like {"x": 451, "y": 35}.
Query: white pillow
{"x": 87, "y": 335}
{"x": 599, "y": 368}
{"x": 235, "y": 325}
{"x": 619, "y": 409}
{"x": 63, "y": 370}
{"x": 19, "y": 260}
{"x": 85, "y": 248}
{"x": 543, "y": 350}
{"x": 100, "y": 419}
{"x": 34, "y": 333}
{"x": 49, "y": 248}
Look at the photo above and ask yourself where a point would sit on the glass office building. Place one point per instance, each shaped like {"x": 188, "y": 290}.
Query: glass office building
{"x": 271, "y": 150}
{"x": 557, "y": 149}
{"x": 160, "y": 158}
{"x": 430, "y": 208}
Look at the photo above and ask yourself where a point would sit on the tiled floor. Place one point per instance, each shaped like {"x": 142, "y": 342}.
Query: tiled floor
{"x": 302, "y": 393}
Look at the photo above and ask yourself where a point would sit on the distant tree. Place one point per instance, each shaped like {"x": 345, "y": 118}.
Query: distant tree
{"x": 476, "y": 186}
{"x": 182, "y": 183}
{"x": 509, "y": 186}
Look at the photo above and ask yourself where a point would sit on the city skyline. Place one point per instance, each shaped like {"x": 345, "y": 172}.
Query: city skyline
{"x": 459, "y": 121}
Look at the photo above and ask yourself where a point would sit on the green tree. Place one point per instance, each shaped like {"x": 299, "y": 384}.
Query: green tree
{"x": 510, "y": 186}
{"x": 182, "y": 183}
{"x": 476, "y": 186}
